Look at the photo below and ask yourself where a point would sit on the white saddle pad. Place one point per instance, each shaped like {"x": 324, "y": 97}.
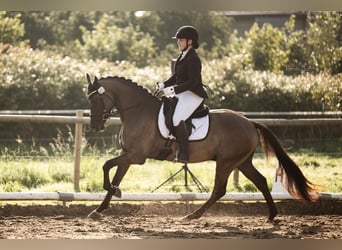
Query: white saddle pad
{"x": 199, "y": 130}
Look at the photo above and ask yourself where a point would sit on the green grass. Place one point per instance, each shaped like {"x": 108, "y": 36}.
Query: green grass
{"x": 51, "y": 174}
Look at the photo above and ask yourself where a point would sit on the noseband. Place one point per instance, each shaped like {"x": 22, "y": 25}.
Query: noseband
{"x": 105, "y": 114}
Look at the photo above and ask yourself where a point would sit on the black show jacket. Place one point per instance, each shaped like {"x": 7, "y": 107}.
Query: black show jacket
{"x": 187, "y": 75}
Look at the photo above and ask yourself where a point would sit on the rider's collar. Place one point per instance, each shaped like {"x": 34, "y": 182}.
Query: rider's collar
{"x": 184, "y": 54}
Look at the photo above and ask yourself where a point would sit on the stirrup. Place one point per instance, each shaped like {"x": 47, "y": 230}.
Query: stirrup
{"x": 180, "y": 160}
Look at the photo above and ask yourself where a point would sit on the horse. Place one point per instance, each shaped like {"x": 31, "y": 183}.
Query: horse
{"x": 231, "y": 142}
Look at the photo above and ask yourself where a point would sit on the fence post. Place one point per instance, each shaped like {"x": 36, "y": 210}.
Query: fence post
{"x": 78, "y": 151}
{"x": 236, "y": 179}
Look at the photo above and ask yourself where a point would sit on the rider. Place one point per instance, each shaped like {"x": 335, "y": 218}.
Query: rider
{"x": 185, "y": 84}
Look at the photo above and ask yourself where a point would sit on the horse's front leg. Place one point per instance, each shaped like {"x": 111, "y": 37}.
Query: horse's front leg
{"x": 112, "y": 188}
{"x": 123, "y": 164}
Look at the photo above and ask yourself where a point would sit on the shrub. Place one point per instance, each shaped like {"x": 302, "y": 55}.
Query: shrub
{"x": 237, "y": 88}
{"x": 248, "y": 187}
{"x": 316, "y": 49}
{"x": 33, "y": 79}
{"x": 11, "y": 30}
{"x": 61, "y": 177}
{"x": 32, "y": 178}
{"x": 13, "y": 176}
{"x": 93, "y": 184}
{"x": 116, "y": 44}
{"x": 266, "y": 47}
{"x": 323, "y": 42}
{"x": 10, "y": 186}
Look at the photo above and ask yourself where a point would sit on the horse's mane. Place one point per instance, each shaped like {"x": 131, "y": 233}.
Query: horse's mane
{"x": 129, "y": 82}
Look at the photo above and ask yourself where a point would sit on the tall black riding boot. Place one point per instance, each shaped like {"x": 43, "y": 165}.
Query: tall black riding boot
{"x": 182, "y": 137}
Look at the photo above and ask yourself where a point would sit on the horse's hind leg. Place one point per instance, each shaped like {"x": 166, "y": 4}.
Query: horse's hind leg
{"x": 260, "y": 182}
{"x": 221, "y": 176}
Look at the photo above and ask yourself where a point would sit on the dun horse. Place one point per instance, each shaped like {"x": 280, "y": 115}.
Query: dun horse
{"x": 231, "y": 142}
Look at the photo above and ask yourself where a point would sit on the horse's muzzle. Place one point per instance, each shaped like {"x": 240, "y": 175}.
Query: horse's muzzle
{"x": 97, "y": 126}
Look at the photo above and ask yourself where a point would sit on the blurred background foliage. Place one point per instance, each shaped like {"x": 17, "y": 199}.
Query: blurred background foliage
{"x": 44, "y": 57}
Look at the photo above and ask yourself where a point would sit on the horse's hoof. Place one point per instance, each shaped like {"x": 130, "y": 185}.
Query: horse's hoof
{"x": 272, "y": 220}
{"x": 272, "y": 215}
{"x": 192, "y": 216}
{"x": 95, "y": 215}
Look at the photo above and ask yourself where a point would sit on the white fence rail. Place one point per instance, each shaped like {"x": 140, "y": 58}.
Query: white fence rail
{"x": 68, "y": 197}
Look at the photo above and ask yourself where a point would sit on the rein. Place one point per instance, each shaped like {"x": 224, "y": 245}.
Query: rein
{"x": 107, "y": 114}
{"x": 95, "y": 88}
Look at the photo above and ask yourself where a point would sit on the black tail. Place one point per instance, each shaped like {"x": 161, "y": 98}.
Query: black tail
{"x": 297, "y": 184}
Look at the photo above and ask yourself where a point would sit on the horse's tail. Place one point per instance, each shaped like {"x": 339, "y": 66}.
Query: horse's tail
{"x": 296, "y": 184}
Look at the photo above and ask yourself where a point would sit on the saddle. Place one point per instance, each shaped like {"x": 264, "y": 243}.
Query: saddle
{"x": 197, "y": 124}
{"x": 169, "y": 109}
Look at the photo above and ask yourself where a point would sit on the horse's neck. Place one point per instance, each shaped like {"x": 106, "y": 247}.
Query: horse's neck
{"x": 133, "y": 104}
{"x": 144, "y": 111}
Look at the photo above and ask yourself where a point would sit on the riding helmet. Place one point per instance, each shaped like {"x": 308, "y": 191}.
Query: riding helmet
{"x": 188, "y": 32}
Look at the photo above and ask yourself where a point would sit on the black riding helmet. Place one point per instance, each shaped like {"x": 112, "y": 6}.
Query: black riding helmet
{"x": 188, "y": 32}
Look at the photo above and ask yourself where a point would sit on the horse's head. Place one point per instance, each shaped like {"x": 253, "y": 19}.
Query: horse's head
{"x": 101, "y": 104}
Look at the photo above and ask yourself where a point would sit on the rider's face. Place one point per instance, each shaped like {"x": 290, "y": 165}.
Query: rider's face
{"x": 182, "y": 43}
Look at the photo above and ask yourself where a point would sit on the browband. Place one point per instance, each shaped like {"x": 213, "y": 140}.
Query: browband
{"x": 100, "y": 90}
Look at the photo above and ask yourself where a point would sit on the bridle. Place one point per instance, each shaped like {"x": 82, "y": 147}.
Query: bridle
{"x": 106, "y": 114}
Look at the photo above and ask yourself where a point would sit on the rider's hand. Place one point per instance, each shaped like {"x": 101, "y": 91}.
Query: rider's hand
{"x": 160, "y": 86}
{"x": 169, "y": 91}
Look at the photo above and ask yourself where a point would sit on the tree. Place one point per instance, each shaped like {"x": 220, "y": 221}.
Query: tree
{"x": 56, "y": 27}
{"x": 11, "y": 30}
{"x": 214, "y": 30}
{"x": 266, "y": 47}
{"x": 323, "y": 44}
{"x": 113, "y": 43}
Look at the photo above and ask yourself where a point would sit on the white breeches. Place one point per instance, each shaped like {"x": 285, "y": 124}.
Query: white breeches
{"x": 188, "y": 102}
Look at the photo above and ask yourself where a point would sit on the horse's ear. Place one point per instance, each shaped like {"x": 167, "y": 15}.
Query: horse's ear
{"x": 95, "y": 80}
{"x": 88, "y": 78}
{"x": 91, "y": 86}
